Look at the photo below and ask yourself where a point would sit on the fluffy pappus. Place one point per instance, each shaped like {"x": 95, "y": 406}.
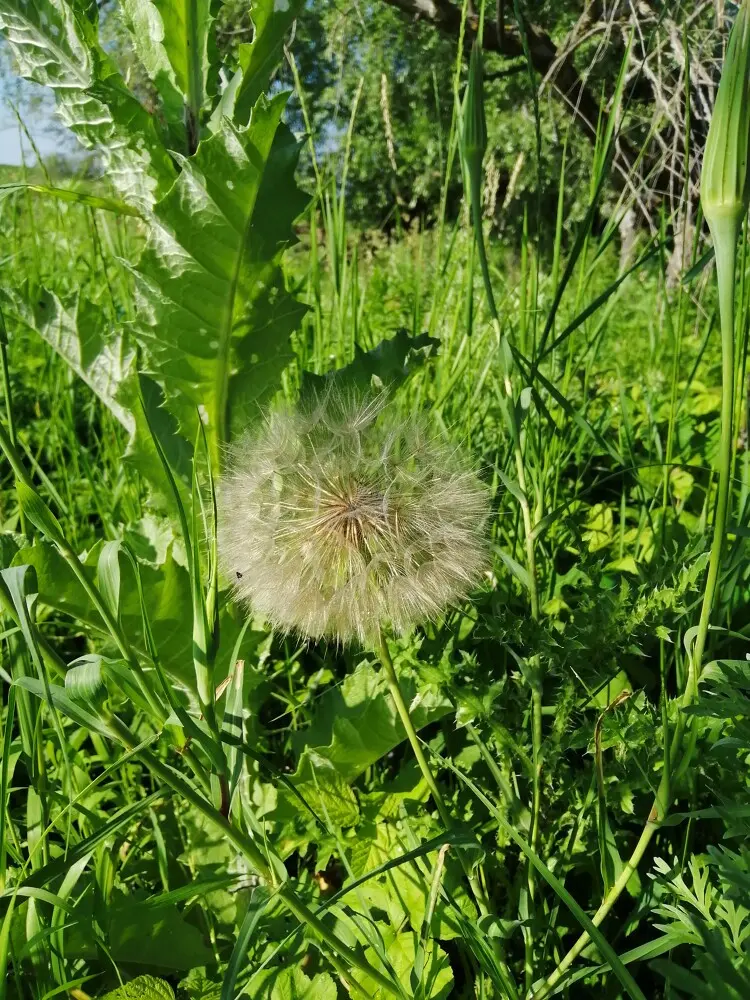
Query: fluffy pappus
{"x": 339, "y": 518}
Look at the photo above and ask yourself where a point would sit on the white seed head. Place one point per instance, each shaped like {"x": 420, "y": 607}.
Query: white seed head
{"x": 339, "y": 518}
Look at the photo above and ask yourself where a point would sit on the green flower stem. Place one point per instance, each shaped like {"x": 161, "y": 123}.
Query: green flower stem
{"x": 725, "y": 245}
{"x": 609, "y": 901}
{"x": 528, "y": 527}
{"x": 247, "y": 847}
{"x": 725, "y": 234}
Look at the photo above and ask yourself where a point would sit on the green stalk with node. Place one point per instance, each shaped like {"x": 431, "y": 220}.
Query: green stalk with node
{"x": 725, "y": 197}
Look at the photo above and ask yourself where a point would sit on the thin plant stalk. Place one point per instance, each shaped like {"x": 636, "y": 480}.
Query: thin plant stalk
{"x": 437, "y": 796}
{"x": 725, "y": 244}
{"x": 473, "y": 171}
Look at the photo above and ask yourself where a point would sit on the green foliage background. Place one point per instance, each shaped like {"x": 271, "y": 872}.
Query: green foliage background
{"x": 171, "y": 774}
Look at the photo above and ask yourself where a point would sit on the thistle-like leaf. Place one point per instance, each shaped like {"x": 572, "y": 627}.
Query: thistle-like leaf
{"x": 147, "y": 34}
{"x": 173, "y": 41}
{"x": 80, "y": 333}
{"x": 56, "y": 44}
{"x": 272, "y": 20}
{"x": 212, "y": 258}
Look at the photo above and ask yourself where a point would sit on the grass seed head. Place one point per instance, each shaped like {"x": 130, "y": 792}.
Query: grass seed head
{"x": 339, "y": 518}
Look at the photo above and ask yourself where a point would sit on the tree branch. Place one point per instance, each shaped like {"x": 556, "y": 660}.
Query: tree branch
{"x": 446, "y": 17}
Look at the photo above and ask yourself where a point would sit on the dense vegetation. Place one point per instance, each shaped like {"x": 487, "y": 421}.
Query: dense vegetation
{"x": 196, "y": 805}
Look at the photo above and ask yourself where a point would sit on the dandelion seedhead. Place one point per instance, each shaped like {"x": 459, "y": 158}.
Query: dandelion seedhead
{"x": 338, "y": 519}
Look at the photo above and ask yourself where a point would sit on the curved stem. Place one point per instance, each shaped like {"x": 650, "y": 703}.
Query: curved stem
{"x": 725, "y": 243}
{"x": 528, "y": 527}
{"x": 609, "y": 901}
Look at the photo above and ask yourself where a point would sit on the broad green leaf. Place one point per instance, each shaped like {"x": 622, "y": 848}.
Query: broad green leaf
{"x": 185, "y": 39}
{"x": 147, "y": 33}
{"x": 83, "y": 337}
{"x": 213, "y": 252}
{"x": 58, "y": 47}
{"x": 156, "y": 937}
{"x": 58, "y": 586}
{"x": 105, "y": 359}
{"x": 291, "y": 984}
{"x": 437, "y": 978}
{"x": 142, "y": 988}
{"x": 402, "y": 892}
{"x": 356, "y": 724}
{"x": 325, "y": 790}
{"x": 272, "y": 20}
{"x": 388, "y": 365}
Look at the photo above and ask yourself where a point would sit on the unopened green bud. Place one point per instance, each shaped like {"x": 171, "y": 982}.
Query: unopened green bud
{"x": 725, "y": 184}
{"x": 474, "y": 131}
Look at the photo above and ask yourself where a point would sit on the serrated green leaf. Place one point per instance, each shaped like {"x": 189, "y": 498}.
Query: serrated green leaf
{"x": 146, "y": 29}
{"x": 152, "y": 421}
{"x": 213, "y": 251}
{"x": 56, "y": 45}
{"x": 388, "y": 365}
{"x": 142, "y": 988}
{"x": 272, "y": 20}
{"x": 325, "y": 790}
{"x": 437, "y": 977}
{"x": 83, "y": 337}
{"x": 291, "y": 984}
{"x": 185, "y": 39}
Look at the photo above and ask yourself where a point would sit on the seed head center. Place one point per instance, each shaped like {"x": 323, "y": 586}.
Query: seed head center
{"x": 355, "y": 514}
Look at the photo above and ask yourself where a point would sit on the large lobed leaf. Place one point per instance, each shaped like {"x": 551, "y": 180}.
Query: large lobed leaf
{"x": 214, "y": 317}
{"x": 173, "y": 42}
{"x": 214, "y": 314}
{"x": 56, "y": 45}
{"x": 272, "y": 20}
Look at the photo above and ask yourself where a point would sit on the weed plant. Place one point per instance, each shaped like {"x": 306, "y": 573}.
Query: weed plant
{"x": 195, "y": 804}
